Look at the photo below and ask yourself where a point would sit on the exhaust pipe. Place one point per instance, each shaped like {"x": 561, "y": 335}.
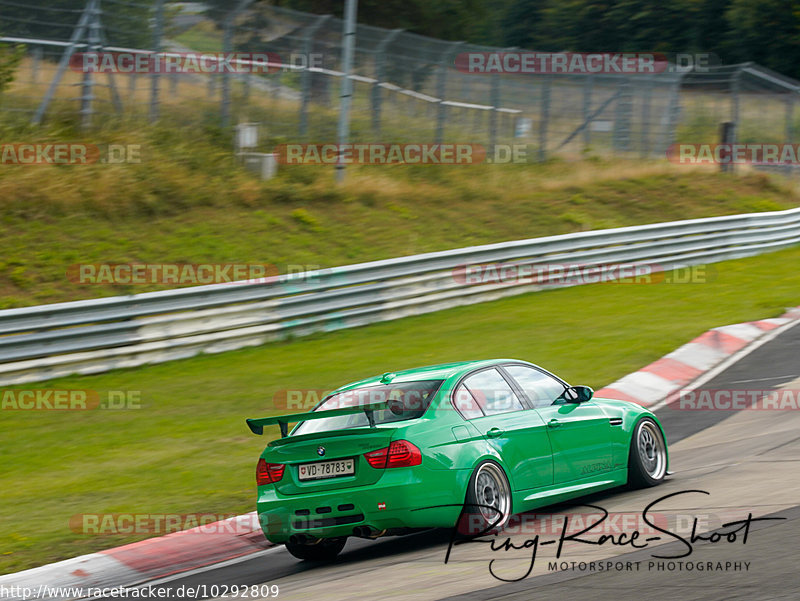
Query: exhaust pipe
{"x": 372, "y": 533}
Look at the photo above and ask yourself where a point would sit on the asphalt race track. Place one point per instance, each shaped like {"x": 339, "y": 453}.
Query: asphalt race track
{"x": 748, "y": 462}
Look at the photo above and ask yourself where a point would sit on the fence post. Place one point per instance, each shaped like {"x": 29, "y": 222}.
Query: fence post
{"x": 588, "y": 88}
{"x": 647, "y": 93}
{"x": 735, "y": 83}
{"x": 380, "y": 77}
{"x": 544, "y": 116}
{"x": 346, "y": 94}
{"x": 77, "y": 34}
{"x": 227, "y": 48}
{"x": 248, "y": 78}
{"x": 37, "y": 61}
{"x": 441, "y": 89}
{"x": 87, "y": 86}
{"x": 158, "y": 26}
{"x": 727, "y": 136}
{"x": 670, "y": 123}
{"x": 305, "y": 74}
{"x": 622, "y": 119}
{"x": 494, "y": 100}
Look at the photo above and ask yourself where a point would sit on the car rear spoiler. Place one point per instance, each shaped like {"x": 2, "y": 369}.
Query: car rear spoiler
{"x": 257, "y": 425}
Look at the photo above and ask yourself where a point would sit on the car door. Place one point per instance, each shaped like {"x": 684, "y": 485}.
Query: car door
{"x": 580, "y": 433}
{"x": 519, "y": 436}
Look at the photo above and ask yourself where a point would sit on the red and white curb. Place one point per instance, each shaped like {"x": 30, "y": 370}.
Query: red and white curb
{"x": 652, "y": 385}
{"x": 140, "y": 562}
{"x": 238, "y": 537}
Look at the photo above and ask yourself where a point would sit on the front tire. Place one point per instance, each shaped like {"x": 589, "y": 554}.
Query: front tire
{"x": 487, "y": 507}
{"x": 325, "y": 550}
{"x": 647, "y": 458}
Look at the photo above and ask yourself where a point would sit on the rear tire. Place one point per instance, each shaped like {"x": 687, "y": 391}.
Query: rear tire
{"x": 647, "y": 458}
{"x": 487, "y": 507}
{"x": 325, "y": 550}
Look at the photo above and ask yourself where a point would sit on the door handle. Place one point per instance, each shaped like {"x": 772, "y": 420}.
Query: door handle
{"x": 554, "y": 423}
{"x": 495, "y": 432}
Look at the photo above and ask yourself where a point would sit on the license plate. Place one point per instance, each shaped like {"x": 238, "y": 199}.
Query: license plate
{"x": 326, "y": 469}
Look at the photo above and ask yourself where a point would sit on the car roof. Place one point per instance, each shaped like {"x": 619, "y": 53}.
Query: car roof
{"x": 442, "y": 371}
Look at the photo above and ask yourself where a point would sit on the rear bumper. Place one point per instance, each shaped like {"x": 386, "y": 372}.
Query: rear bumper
{"x": 402, "y": 498}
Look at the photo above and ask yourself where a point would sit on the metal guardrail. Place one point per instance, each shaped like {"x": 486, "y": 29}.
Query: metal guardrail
{"x": 47, "y": 341}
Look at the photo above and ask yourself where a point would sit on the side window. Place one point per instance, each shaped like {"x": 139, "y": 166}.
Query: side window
{"x": 540, "y": 388}
{"x": 465, "y": 403}
{"x": 492, "y": 392}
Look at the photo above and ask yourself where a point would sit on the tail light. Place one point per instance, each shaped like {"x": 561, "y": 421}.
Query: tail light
{"x": 400, "y": 453}
{"x": 268, "y": 473}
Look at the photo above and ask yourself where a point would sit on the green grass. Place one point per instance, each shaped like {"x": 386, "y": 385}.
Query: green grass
{"x": 189, "y": 202}
{"x": 187, "y": 448}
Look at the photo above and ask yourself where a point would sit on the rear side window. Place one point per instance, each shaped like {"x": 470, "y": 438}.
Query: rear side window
{"x": 466, "y": 404}
{"x": 414, "y": 397}
{"x": 491, "y": 392}
{"x": 540, "y": 388}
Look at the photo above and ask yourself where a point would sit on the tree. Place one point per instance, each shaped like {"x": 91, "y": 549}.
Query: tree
{"x": 766, "y": 32}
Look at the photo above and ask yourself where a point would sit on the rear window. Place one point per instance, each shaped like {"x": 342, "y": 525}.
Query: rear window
{"x": 415, "y": 398}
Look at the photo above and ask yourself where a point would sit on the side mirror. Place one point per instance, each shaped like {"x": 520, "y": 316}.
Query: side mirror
{"x": 577, "y": 394}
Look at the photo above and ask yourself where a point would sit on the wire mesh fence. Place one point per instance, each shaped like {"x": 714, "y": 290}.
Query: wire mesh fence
{"x": 251, "y": 62}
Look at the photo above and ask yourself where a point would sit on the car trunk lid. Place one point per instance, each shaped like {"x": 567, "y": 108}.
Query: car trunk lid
{"x": 305, "y": 457}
